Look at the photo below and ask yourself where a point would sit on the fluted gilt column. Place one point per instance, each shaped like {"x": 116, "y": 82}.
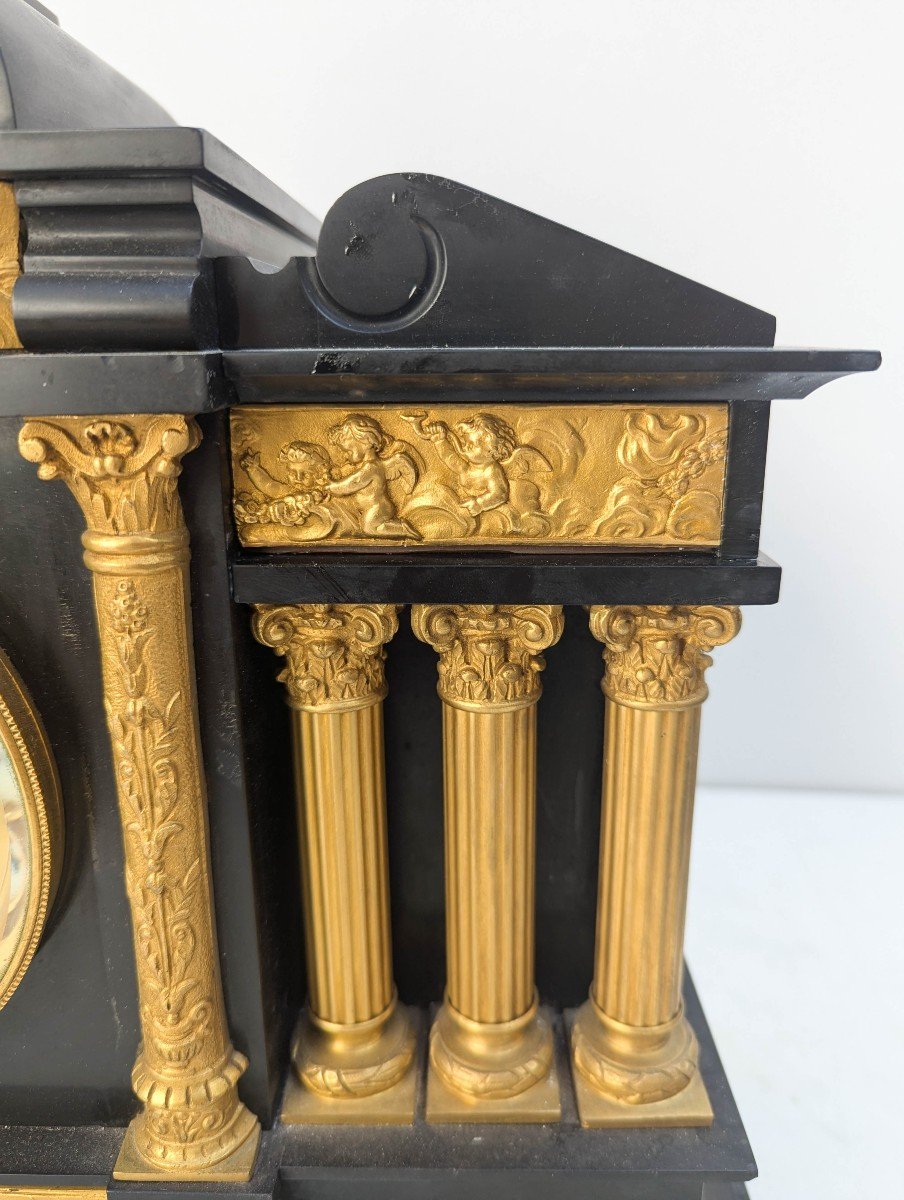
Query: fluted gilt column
{"x": 634, "y": 1052}
{"x": 354, "y": 1048}
{"x": 123, "y": 472}
{"x": 491, "y": 1050}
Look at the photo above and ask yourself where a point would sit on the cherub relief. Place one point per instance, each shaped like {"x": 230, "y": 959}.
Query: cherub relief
{"x": 491, "y": 468}
{"x": 487, "y": 478}
{"x": 298, "y": 502}
{"x": 307, "y": 466}
{"x": 370, "y": 462}
{"x": 502, "y": 476}
{"x": 350, "y": 495}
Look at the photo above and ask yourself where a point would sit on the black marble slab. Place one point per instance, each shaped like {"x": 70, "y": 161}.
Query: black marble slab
{"x": 74, "y": 384}
{"x": 425, "y": 577}
{"x": 420, "y": 260}
{"x": 561, "y": 1161}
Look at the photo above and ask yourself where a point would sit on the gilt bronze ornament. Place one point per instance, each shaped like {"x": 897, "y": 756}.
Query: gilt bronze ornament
{"x": 123, "y": 472}
{"x": 608, "y": 475}
{"x": 277, "y": 920}
{"x": 354, "y": 1048}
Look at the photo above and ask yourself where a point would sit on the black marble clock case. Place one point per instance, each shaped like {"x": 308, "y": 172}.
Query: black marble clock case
{"x": 484, "y": 302}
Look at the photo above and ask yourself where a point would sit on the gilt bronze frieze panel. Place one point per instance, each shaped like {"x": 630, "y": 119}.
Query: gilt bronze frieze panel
{"x": 610, "y": 475}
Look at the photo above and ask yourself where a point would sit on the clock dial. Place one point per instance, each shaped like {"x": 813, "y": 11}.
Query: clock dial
{"x": 30, "y": 830}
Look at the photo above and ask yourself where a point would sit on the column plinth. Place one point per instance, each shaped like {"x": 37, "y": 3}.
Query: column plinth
{"x": 123, "y": 471}
{"x": 634, "y": 1053}
{"x": 491, "y": 1051}
{"x": 354, "y": 1047}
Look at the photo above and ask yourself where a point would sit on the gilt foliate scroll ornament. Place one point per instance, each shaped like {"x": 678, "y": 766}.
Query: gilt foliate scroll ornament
{"x": 10, "y": 265}
{"x": 123, "y": 470}
{"x": 579, "y": 475}
{"x": 334, "y": 652}
{"x": 671, "y": 1066}
{"x": 490, "y": 654}
{"x": 31, "y": 830}
{"x": 657, "y": 654}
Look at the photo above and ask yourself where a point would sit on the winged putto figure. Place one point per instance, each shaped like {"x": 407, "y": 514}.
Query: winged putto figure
{"x": 484, "y": 477}
{"x": 497, "y": 475}
{"x": 350, "y": 495}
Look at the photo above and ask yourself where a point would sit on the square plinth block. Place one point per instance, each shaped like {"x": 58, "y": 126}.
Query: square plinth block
{"x": 689, "y": 1108}
{"x": 538, "y": 1105}
{"x": 394, "y": 1106}
{"x": 237, "y": 1168}
{"x": 421, "y": 1161}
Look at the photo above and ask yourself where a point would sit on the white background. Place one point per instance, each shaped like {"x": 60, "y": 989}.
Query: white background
{"x": 755, "y": 147}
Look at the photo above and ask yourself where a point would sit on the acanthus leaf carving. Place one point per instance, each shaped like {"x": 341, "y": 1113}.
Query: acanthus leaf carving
{"x": 657, "y": 654}
{"x": 122, "y": 471}
{"x": 489, "y": 654}
{"x": 334, "y": 652}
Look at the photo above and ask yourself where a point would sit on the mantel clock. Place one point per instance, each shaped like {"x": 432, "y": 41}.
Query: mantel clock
{"x": 368, "y": 576}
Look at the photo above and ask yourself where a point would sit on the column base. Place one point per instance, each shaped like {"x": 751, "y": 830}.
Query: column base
{"x": 236, "y": 1167}
{"x": 333, "y": 1078}
{"x": 600, "y": 1107}
{"x": 523, "y": 1058}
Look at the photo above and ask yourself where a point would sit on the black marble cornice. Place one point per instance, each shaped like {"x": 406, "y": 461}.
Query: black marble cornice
{"x": 490, "y": 577}
{"x": 550, "y": 374}
{"x": 33, "y": 385}
{"x": 74, "y": 383}
{"x": 120, "y": 229}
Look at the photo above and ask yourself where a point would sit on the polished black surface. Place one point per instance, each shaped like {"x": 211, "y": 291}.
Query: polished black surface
{"x": 511, "y": 578}
{"x": 47, "y": 628}
{"x": 244, "y": 736}
{"x": 49, "y": 81}
{"x": 162, "y": 274}
{"x": 452, "y": 1162}
{"x": 420, "y": 260}
{"x": 539, "y": 1161}
{"x": 745, "y": 470}
{"x": 551, "y": 374}
{"x": 120, "y": 229}
{"x": 79, "y": 383}
{"x": 68, "y": 1033}
{"x": 34, "y": 385}
{"x": 155, "y": 154}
